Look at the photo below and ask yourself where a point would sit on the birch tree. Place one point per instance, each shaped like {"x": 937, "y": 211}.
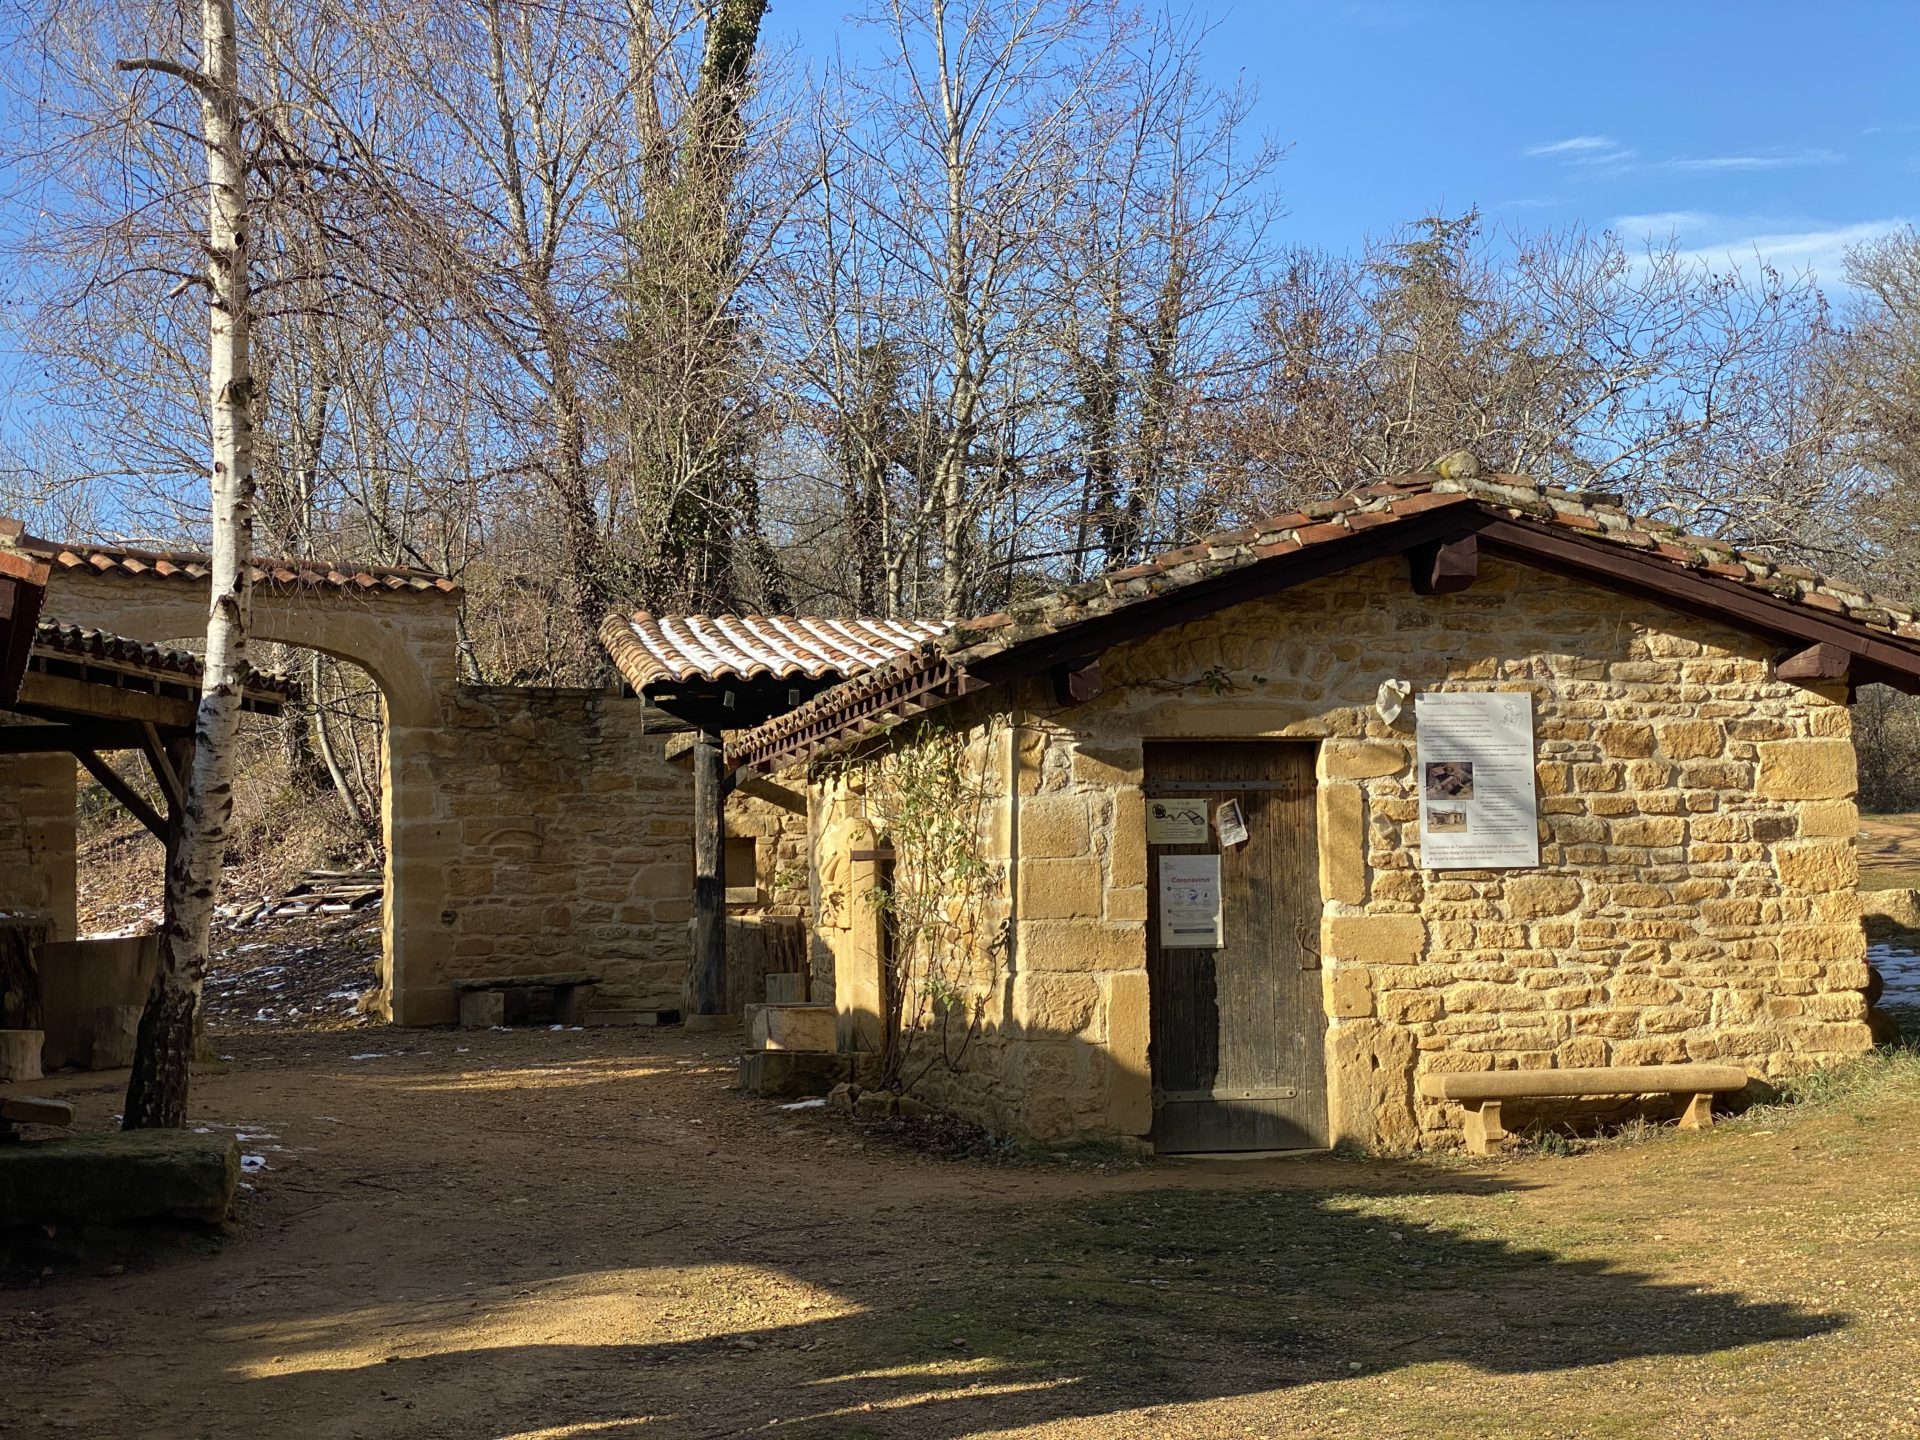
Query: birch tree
{"x": 157, "y": 1091}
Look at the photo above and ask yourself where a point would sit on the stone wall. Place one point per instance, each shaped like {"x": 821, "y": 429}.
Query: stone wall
{"x": 779, "y": 835}
{"x": 569, "y": 839}
{"x": 1695, "y": 897}
{"x": 37, "y": 874}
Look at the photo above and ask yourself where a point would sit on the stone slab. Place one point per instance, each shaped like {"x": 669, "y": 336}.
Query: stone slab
{"x": 32, "y": 1110}
{"x": 112, "y": 1179}
{"x": 791, "y": 1027}
{"x": 482, "y": 1009}
{"x": 790, "y": 989}
{"x": 115, "y": 1035}
{"x": 634, "y": 1017}
{"x": 557, "y": 980}
{"x": 793, "y": 1074}
{"x": 797, "y": 1074}
{"x": 1601, "y": 1080}
{"x": 80, "y": 977}
{"x": 1889, "y": 912}
{"x": 20, "y": 1054}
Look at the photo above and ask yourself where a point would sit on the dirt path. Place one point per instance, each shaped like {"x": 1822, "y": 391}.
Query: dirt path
{"x": 546, "y": 1234}
{"x": 1889, "y": 852}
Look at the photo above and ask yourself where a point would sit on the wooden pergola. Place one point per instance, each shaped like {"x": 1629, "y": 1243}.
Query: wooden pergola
{"x": 731, "y": 672}
{"x": 87, "y": 693}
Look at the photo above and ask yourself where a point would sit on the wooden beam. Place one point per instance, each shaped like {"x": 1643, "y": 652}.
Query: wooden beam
{"x": 172, "y": 785}
{"x": 1712, "y": 597}
{"x": 707, "y": 977}
{"x": 1076, "y": 682}
{"x": 136, "y": 803}
{"x": 1444, "y": 567}
{"x": 23, "y": 587}
{"x": 81, "y": 735}
{"x": 72, "y": 695}
{"x": 1818, "y": 662}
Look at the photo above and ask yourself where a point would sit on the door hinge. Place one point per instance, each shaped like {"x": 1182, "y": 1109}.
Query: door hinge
{"x": 1226, "y": 1092}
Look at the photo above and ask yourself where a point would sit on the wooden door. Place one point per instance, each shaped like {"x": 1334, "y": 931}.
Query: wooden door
{"x": 1238, "y": 1059}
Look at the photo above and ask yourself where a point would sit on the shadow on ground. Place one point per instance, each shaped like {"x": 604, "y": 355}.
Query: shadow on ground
{"x": 1090, "y": 1308}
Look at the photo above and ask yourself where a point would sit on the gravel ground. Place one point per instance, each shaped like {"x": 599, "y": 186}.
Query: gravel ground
{"x": 538, "y": 1234}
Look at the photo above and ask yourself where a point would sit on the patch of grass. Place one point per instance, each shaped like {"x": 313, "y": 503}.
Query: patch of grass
{"x": 1888, "y": 1074}
{"x": 1890, "y": 877}
{"x": 1078, "y": 1154}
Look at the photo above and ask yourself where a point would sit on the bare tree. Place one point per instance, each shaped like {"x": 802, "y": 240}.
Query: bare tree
{"x": 1876, "y": 371}
{"x": 157, "y": 1090}
{"x": 1698, "y": 396}
{"x": 1033, "y": 234}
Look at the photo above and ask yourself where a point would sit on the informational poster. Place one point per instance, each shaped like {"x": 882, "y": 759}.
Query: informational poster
{"x": 1190, "y": 901}
{"x": 1478, "y": 809}
{"x": 1180, "y": 820}
{"x": 1231, "y": 821}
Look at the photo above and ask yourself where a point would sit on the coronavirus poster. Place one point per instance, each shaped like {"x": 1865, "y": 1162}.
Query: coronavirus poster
{"x": 1478, "y": 807}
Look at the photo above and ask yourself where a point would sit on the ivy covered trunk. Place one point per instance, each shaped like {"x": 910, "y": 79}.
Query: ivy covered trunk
{"x": 157, "y": 1092}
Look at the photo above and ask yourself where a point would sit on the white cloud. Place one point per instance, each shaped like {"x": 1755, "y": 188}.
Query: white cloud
{"x": 1739, "y": 242}
{"x": 1760, "y": 160}
{"x": 1661, "y": 223}
{"x": 1573, "y": 145}
{"x": 1602, "y": 155}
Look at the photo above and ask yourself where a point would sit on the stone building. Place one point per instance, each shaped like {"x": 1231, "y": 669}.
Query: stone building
{"x": 526, "y": 830}
{"x": 1440, "y": 776}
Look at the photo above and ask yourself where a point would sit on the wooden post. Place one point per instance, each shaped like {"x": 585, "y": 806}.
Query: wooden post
{"x": 707, "y": 979}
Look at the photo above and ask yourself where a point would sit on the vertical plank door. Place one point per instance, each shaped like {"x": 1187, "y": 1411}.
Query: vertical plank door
{"x": 1238, "y": 1056}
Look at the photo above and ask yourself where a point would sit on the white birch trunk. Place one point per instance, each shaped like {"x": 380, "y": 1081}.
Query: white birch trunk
{"x": 157, "y": 1092}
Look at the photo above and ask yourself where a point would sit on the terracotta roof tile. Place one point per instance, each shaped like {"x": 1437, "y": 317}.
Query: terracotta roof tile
{"x": 141, "y": 563}
{"x": 673, "y": 649}
{"x": 52, "y": 640}
{"x": 1594, "y": 518}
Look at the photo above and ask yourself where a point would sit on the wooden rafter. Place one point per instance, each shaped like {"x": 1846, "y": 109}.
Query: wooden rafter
{"x": 134, "y": 801}
{"x": 911, "y": 693}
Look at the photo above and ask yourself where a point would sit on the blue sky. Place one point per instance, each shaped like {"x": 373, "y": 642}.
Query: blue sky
{"x": 1791, "y": 128}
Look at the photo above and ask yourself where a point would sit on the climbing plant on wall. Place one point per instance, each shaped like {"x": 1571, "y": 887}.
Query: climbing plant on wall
{"x": 928, "y": 791}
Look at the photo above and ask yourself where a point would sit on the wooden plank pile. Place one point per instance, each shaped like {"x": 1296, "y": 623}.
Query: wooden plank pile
{"x": 323, "y": 892}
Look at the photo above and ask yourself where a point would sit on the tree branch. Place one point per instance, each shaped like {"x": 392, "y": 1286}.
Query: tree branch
{"x": 184, "y": 73}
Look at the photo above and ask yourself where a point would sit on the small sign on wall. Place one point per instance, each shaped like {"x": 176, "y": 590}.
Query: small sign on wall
{"x": 1190, "y": 901}
{"x": 1478, "y": 806}
{"x": 1180, "y": 820}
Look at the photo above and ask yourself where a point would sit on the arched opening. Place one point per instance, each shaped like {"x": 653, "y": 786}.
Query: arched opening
{"x": 387, "y": 635}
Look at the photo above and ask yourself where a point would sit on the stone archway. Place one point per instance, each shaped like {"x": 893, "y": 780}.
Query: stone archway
{"x": 403, "y": 633}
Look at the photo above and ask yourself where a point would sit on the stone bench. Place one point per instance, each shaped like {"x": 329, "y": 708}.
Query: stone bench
{"x": 1482, "y": 1092}
{"x": 485, "y": 1000}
